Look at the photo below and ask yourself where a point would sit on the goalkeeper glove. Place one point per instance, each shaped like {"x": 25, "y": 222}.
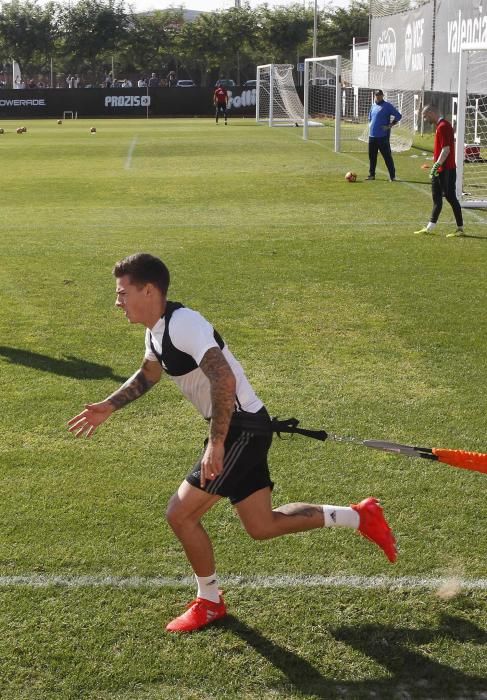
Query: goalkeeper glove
{"x": 435, "y": 170}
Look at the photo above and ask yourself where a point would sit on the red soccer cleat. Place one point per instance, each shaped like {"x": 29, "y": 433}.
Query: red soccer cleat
{"x": 374, "y": 526}
{"x": 200, "y": 612}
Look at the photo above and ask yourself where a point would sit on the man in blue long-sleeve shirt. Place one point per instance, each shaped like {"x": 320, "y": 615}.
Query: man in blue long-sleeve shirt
{"x": 380, "y": 124}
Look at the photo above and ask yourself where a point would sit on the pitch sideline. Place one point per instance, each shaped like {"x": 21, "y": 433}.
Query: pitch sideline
{"x": 133, "y": 143}
{"x": 275, "y": 582}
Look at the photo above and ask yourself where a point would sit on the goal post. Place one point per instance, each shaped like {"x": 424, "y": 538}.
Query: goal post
{"x": 263, "y": 93}
{"x": 277, "y": 101}
{"x": 471, "y": 132}
{"x": 323, "y": 93}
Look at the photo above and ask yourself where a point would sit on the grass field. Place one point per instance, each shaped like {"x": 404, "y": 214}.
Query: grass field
{"x": 340, "y": 316}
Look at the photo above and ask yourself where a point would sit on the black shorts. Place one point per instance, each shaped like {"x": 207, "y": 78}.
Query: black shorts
{"x": 221, "y": 108}
{"x": 245, "y": 468}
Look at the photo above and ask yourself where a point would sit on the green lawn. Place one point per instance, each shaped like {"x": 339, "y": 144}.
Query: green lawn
{"x": 340, "y": 317}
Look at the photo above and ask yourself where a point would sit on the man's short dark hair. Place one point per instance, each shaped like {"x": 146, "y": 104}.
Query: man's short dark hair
{"x": 378, "y": 92}
{"x": 143, "y": 268}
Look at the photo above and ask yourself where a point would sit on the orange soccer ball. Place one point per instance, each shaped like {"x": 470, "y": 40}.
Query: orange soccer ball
{"x": 351, "y": 177}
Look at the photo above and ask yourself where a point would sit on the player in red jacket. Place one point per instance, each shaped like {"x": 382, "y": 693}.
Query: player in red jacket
{"x": 444, "y": 171}
{"x": 220, "y": 100}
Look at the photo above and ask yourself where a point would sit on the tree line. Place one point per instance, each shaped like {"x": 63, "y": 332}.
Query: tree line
{"x": 89, "y": 36}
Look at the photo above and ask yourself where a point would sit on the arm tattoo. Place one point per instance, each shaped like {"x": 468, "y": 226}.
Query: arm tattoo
{"x": 305, "y": 510}
{"x": 134, "y": 387}
{"x": 222, "y": 388}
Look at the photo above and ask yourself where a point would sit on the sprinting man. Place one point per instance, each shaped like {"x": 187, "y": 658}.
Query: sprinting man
{"x": 233, "y": 465}
{"x": 380, "y": 125}
{"x": 443, "y": 173}
{"x": 220, "y": 100}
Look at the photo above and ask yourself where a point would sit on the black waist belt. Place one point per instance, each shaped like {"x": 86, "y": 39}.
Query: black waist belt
{"x": 262, "y": 424}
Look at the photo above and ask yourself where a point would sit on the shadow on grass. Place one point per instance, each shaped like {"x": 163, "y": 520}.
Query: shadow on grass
{"x": 69, "y": 367}
{"x": 399, "y": 650}
{"x": 411, "y": 668}
{"x": 471, "y": 235}
{"x": 399, "y": 181}
{"x": 304, "y": 676}
{"x": 465, "y": 235}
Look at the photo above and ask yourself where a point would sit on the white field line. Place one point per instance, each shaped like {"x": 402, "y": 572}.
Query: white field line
{"x": 128, "y": 161}
{"x": 311, "y": 581}
{"x": 411, "y": 185}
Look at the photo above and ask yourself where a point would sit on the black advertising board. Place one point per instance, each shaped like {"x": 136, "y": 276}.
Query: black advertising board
{"x": 134, "y": 102}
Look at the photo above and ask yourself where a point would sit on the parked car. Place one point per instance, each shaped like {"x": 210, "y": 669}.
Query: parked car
{"x": 249, "y": 84}
{"x": 227, "y": 83}
{"x": 185, "y": 83}
{"x": 323, "y": 81}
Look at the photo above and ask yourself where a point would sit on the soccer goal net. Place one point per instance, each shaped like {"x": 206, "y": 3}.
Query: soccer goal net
{"x": 332, "y": 100}
{"x": 471, "y": 143}
{"x": 277, "y": 102}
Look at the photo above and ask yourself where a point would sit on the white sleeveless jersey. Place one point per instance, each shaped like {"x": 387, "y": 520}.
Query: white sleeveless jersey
{"x": 181, "y": 347}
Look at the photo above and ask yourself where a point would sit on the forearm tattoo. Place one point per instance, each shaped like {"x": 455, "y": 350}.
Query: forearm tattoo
{"x": 133, "y": 388}
{"x": 222, "y": 387}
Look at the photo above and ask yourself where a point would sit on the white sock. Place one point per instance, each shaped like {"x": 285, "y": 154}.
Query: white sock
{"x": 208, "y": 588}
{"x": 430, "y": 226}
{"x": 340, "y": 516}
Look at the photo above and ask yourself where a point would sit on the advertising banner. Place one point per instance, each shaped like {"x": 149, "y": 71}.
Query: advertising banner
{"x": 134, "y": 102}
{"x": 457, "y": 22}
{"x": 401, "y": 48}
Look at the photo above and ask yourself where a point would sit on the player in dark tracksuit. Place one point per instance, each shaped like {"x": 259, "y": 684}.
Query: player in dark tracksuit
{"x": 380, "y": 125}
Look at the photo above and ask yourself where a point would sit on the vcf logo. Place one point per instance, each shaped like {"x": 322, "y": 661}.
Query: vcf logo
{"x": 408, "y": 46}
{"x": 386, "y": 49}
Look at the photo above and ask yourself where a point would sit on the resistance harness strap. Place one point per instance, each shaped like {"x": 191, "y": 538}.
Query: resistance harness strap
{"x": 290, "y": 425}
